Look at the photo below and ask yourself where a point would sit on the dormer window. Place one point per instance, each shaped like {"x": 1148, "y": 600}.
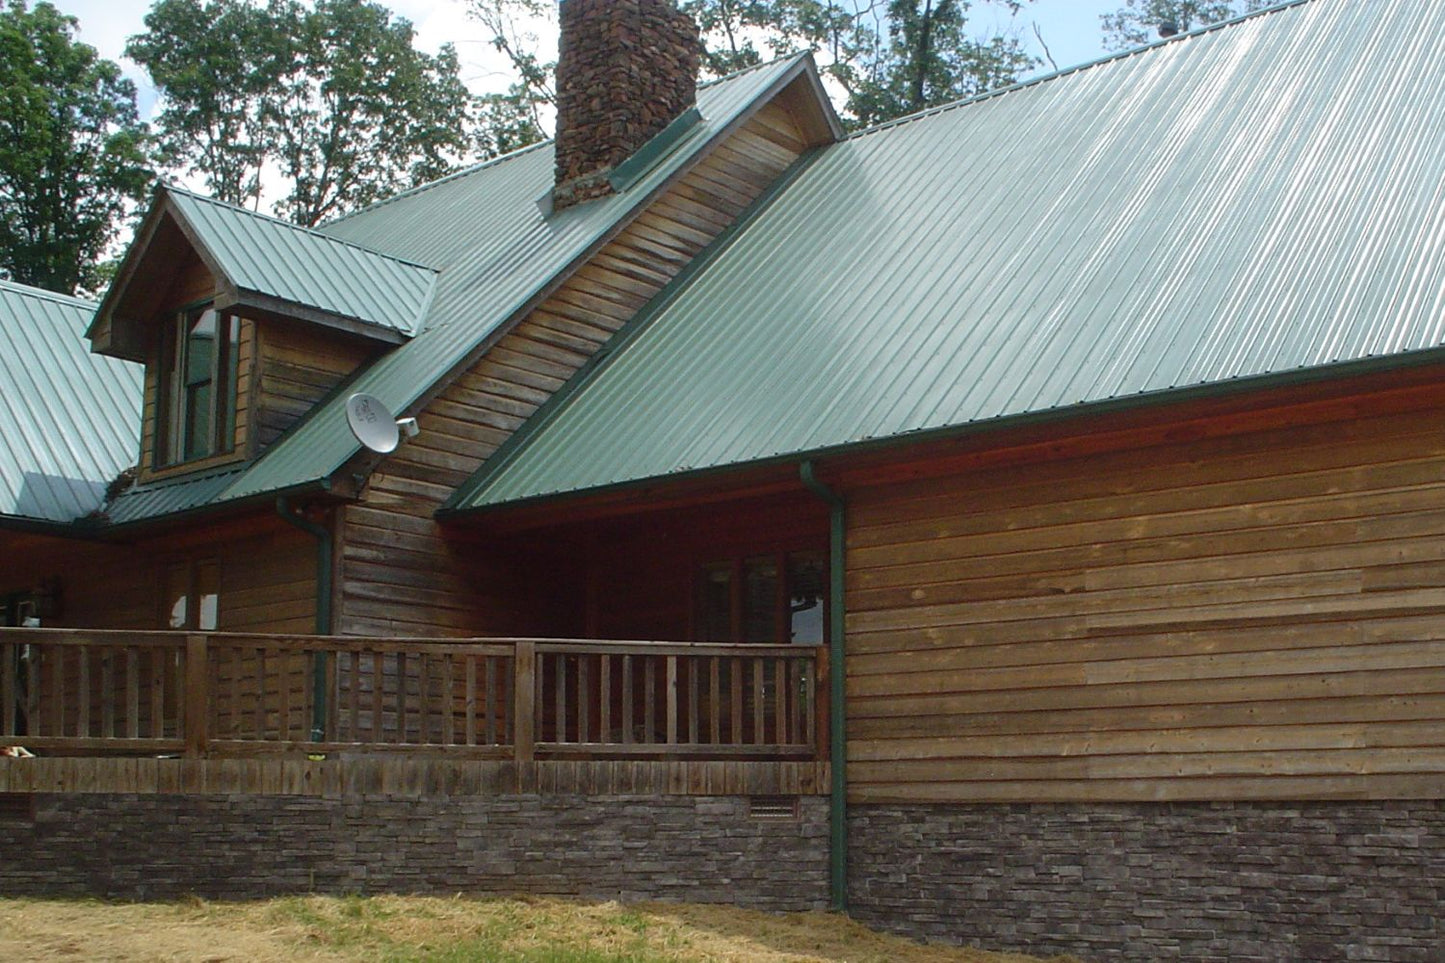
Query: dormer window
{"x": 197, "y": 404}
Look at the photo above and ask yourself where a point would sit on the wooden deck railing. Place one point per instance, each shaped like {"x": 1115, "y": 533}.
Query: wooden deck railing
{"x": 90, "y": 692}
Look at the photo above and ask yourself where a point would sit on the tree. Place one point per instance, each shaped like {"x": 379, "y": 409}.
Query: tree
{"x": 889, "y": 58}
{"x": 72, "y": 151}
{"x": 514, "y": 119}
{"x": 1138, "y": 21}
{"x": 334, "y": 97}
{"x": 928, "y": 58}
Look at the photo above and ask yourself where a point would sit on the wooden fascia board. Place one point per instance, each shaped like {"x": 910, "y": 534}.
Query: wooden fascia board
{"x": 252, "y": 303}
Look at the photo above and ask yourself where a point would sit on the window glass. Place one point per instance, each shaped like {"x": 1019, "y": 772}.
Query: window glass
{"x": 198, "y": 376}
{"x": 178, "y": 596}
{"x": 807, "y": 573}
{"x": 208, "y": 594}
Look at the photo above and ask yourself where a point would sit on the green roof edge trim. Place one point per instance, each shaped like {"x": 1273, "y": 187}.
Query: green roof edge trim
{"x": 1144, "y": 400}
{"x": 669, "y": 139}
{"x": 561, "y": 398}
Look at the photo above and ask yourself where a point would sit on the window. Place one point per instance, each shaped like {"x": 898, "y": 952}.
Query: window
{"x": 192, "y": 595}
{"x": 197, "y": 405}
{"x": 763, "y": 598}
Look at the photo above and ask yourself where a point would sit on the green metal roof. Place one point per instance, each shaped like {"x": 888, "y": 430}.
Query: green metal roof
{"x": 1243, "y": 202}
{"x": 260, "y": 255}
{"x": 69, "y": 420}
{"x": 496, "y": 250}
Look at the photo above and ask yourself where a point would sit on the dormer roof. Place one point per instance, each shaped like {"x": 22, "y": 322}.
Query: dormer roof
{"x": 267, "y": 267}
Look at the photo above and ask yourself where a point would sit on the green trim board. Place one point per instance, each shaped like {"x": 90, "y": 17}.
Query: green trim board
{"x": 1243, "y": 205}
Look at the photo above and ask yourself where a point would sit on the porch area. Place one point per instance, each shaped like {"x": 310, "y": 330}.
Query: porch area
{"x": 109, "y": 711}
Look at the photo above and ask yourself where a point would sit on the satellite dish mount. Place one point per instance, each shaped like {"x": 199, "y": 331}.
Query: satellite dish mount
{"x": 375, "y": 426}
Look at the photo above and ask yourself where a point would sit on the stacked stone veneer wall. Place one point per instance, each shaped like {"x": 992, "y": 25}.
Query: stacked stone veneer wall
{"x": 625, "y": 70}
{"x": 1237, "y": 881}
{"x": 693, "y": 848}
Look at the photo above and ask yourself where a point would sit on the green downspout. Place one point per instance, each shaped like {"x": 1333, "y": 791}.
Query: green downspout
{"x": 323, "y": 611}
{"x": 838, "y": 730}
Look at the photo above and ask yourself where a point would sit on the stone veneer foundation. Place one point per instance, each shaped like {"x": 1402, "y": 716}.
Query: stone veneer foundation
{"x": 706, "y": 849}
{"x": 1228, "y": 881}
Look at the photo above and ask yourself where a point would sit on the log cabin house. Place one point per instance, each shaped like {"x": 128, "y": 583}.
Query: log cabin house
{"x": 1015, "y": 523}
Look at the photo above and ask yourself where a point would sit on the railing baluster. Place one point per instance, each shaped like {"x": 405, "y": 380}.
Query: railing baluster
{"x": 34, "y": 679}
{"x": 107, "y": 695}
{"x": 649, "y": 697}
{"x": 714, "y": 700}
{"x": 401, "y": 694}
{"x": 735, "y": 680}
{"x": 57, "y": 696}
{"x": 559, "y": 707}
{"x": 378, "y": 695}
{"x": 584, "y": 697}
{"x": 628, "y": 706}
{"x": 471, "y": 700}
{"x": 423, "y": 699}
{"x": 448, "y": 704}
{"x": 671, "y": 700}
{"x": 780, "y": 702}
{"x": 692, "y": 700}
{"x": 604, "y": 706}
{"x": 196, "y": 696}
{"x": 262, "y": 703}
{"x": 524, "y": 694}
{"x": 10, "y": 655}
{"x": 491, "y": 703}
{"x": 82, "y": 689}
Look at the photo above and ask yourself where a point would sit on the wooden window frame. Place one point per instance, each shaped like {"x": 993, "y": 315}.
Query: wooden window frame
{"x": 190, "y": 569}
{"x": 173, "y": 405}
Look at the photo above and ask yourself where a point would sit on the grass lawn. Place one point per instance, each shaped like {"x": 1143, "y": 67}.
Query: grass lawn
{"x": 415, "y": 929}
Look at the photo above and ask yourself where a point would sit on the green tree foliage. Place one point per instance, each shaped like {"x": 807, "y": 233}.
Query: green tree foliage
{"x": 1138, "y": 21}
{"x": 72, "y": 151}
{"x": 889, "y": 58}
{"x": 514, "y": 119}
{"x": 335, "y": 96}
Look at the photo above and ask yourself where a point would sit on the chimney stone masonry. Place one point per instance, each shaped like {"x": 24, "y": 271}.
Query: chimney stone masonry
{"x": 625, "y": 70}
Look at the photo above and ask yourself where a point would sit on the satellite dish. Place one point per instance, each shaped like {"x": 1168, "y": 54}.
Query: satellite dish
{"x": 372, "y": 424}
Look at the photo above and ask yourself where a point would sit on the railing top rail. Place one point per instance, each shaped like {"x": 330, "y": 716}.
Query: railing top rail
{"x": 471, "y": 646}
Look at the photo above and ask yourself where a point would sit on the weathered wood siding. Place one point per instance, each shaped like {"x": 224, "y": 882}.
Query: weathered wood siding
{"x": 401, "y": 575}
{"x": 296, "y": 367}
{"x": 268, "y": 576}
{"x": 1253, "y": 616}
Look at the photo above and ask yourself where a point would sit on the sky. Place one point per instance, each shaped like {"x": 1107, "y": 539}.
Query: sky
{"x": 1070, "y": 28}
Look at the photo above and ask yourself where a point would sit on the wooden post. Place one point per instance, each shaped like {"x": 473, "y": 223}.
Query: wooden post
{"x": 524, "y": 702}
{"x": 197, "y": 698}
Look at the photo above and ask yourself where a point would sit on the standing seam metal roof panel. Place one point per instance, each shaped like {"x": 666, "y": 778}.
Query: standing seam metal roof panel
{"x": 495, "y": 248}
{"x": 71, "y": 419}
{"x": 1247, "y": 200}
{"x": 278, "y": 259}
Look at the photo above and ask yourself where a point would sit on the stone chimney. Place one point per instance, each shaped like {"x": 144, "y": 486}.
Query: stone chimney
{"x": 625, "y": 70}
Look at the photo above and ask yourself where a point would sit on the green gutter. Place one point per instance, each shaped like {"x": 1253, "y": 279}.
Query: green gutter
{"x": 837, "y": 720}
{"x": 323, "y": 610}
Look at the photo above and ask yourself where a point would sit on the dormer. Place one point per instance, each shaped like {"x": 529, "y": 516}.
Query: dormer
{"x": 244, "y": 323}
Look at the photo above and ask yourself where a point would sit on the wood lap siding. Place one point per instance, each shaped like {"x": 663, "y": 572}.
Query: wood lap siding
{"x": 401, "y": 575}
{"x": 297, "y": 369}
{"x": 1256, "y": 616}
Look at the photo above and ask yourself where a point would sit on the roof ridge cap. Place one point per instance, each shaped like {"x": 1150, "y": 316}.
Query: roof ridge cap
{"x": 1277, "y": 7}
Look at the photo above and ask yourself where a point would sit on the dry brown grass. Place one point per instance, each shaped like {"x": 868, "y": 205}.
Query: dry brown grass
{"x": 406, "y": 929}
